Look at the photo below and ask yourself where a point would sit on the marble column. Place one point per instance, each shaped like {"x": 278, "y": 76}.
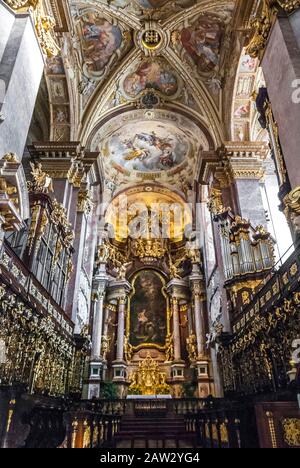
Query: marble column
{"x": 190, "y": 319}
{"x": 199, "y": 319}
{"x": 244, "y": 166}
{"x": 98, "y": 299}
{"x": 281, "y": 68}
{"x": 199, "y": 296}
{"x": 96, "y": 364}
{"x": 119, "y": 291}
{"x": 121, "y": 328}
{"x": 21, "y": 69}
{"x": 177, "y": 290}
{"x": 176, "y": 329}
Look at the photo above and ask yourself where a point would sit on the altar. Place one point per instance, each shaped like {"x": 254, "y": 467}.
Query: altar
{"x": 148, "y": 381}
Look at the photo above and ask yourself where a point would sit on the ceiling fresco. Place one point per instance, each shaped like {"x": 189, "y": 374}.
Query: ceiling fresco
{"x": 149, "y": 142}
{"x": 100, "y": 39}
{"x": 148, "y": 70}
{"x": 148, "y": 147}
{"x": 160, "y": 8}
{"x": 202, "y": 41}
{"x": 152, "y": 74}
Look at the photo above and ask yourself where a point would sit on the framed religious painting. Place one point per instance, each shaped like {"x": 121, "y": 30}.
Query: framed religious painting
{"x": 148, "y": 322}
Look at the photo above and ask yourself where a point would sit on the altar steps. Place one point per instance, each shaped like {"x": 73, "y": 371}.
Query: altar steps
{"x": 156, "y": 433}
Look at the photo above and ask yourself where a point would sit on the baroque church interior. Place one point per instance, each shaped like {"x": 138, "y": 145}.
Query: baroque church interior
{"x": 149, "y": 223}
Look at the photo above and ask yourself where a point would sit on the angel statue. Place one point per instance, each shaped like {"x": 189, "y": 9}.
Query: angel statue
{"x": 174, "y": 267}
{"x": 191, "y": 344}
{"x": 42, "y": 183}
{"x": 103, "y": 253}
{"x": 122, "y": 269}
{"x": 194, "y": 255}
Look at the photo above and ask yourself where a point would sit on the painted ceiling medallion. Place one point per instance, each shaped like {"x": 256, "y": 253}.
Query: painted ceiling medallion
{"x": 152, "y": 39}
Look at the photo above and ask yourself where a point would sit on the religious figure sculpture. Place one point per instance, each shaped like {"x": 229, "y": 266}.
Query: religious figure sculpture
{"x": 103, "y": 253}
{"x": 174, "y": 267}
{"x": 148, "y": 379}
{"x": 191, "y": 342}
{"x": 42, "y": 183}
{"x": 122, "y": 269}
{"x": 169, "y": 348}
{"x": 128, "y": 349}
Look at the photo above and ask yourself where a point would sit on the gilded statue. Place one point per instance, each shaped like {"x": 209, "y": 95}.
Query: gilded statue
{"x": 143, "y": 248}
{"x": 103, "y": 253}
{"x": 191, "y": 343}
{"x": 148, "y": 379}
{"x": 194, "y": 255}
{"x": 174, "y": 267}
{"x": 122, "y": 269}
{"x": 128, "y": 349}
{"x": 169, "y": 348}
{"x": 215, "y": 203}
{"x": 42, "y": 183}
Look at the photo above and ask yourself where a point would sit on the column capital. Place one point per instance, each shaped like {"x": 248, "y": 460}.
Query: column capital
{"x": 118, "y": 289}
{"x": 178, "y": 288}
{"x": 198, "y": 287}
{"x": 243, "y": 160}
{"x": 66, "y": 160}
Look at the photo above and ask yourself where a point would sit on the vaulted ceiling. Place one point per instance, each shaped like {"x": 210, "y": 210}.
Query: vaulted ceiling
{"x": 150, "y": 82}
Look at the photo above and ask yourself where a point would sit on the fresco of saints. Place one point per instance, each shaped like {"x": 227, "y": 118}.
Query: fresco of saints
{"x": 202, "y": 42}
{"x": 100, "y": 40}
{"x": 153, "y": 75}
